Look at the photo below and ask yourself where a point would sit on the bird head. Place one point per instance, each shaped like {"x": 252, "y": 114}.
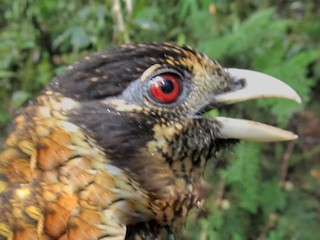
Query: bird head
{"x": 144, "y": 103}
{"x": 117, "y": 144}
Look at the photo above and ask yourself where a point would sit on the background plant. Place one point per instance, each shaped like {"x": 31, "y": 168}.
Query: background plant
{"x": 262, "y": 191}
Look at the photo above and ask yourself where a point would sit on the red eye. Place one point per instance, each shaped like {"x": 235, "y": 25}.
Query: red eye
{"x": 165, "y": 88}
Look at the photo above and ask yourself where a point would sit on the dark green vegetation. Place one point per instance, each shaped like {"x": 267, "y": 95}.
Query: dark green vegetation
{"x": 263, "y": 191}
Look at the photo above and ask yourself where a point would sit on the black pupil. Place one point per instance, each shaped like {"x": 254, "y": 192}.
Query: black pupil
{"x": 167, "y": 86}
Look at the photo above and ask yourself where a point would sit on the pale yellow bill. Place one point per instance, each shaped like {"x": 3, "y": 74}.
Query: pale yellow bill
{"x": 257, "y": 85}
{"x": 233, "y": 128}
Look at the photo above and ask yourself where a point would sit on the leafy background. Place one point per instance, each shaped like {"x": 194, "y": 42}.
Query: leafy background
{"x": 261, "y": 191}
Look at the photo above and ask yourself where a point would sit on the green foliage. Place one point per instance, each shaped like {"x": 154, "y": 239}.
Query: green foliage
{"x": 251, "y": 198}
{"x": 244, "y": 174}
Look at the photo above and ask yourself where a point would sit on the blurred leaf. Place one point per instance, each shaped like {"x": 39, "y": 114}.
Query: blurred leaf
{"x": 19, "y": 98}
{"x": 212, "y": 113}
{"x": 79, "y": 38}
{"x": 146, "y": 24}
{"x": 62, "y": 38}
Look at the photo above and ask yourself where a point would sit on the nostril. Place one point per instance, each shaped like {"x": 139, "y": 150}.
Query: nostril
{"x": 238, "y": 83}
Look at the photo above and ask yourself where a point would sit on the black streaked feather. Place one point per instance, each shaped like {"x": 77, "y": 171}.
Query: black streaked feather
{"x": 108, "y": 73}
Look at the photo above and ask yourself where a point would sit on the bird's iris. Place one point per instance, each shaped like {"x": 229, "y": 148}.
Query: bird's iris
{"x": 165, "y": 88}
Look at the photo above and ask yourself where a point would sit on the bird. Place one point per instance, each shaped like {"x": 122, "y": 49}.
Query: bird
{"x": 115, "y": 147}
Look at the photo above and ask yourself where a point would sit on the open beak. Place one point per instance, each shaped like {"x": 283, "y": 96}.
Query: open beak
{"x": 255, "y": 85}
